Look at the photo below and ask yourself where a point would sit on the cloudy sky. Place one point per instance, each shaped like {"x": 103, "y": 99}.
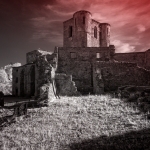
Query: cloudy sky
{"x": 26, "y": 25}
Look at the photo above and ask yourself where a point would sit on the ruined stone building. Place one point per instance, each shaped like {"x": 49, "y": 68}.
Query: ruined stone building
{"x": 85, "y": 64}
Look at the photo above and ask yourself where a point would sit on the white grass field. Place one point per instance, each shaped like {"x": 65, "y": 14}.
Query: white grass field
{"x": 87, "y": 122}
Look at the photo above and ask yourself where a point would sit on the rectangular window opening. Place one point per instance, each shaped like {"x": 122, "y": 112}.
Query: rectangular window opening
{"x": 73, "y": 55}
{"x": 70, "y": 31}
{"x": 16, "y": 80}
{"x": 98, "y": 55}
{"x": 100, "y": 37}
{"x": 83, "y": 20}
{"x": 16, "y": 91}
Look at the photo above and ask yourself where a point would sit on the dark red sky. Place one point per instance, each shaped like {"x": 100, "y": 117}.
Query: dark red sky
{"x": 31, "y": 24}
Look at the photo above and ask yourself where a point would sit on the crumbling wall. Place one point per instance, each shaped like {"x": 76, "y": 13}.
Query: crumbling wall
{"x": 81, "y": 72}
{"x": 46, "y": 92}
{"x": 80, "y": 65}
{"x": 32, "y": 56}
{"x": 41, "y": 82}
{"x": 65, "y": 85}
{"x": 115, "y": 74}
{"x": 45, "y": 66}
{"x": 30, "y": 78}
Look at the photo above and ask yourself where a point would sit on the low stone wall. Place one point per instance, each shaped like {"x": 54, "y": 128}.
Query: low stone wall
{"x": 116, "y": 74}
{"x": 136, "y": 57}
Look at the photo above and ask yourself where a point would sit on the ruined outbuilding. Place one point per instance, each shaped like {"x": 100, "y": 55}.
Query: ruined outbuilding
{"x": 35, "y": 79}
{"x": 85, "y": 64}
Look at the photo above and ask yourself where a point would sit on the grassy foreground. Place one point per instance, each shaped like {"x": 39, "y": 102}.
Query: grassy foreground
{"x": 87, "y": 122}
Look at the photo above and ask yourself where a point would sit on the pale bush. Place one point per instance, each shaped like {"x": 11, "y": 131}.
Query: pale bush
{"x": 3, "y": 76}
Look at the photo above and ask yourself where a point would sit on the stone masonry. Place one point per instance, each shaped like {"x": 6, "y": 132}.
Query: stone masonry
{"x": 86, "y": 63}
{"x": 35, "y": 78}
{"x": 83, "y": 31}
{"x": 141, "y": 58}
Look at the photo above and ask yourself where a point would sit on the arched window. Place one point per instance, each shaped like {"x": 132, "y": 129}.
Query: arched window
{"x": 83, "y": 20}
{"x": 70, "y": 31}
{"x": 95, "y": 32}
{"x": 107, "y": 31}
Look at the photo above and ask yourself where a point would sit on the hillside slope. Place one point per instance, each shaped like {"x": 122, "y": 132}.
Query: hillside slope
{"x": 85, "y": 123}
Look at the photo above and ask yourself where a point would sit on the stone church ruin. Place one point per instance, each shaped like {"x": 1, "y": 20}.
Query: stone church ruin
{"x": 86, "y": 63}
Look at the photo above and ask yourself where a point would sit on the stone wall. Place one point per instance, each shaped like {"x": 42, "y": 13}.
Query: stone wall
{"x": 65, "y": 85}
{"x": 39, "y": 70}
{"x": 80, "y": 65}
{"x": 32, "y": 56}
{"x": 137, "y": 57}
{"x": 67, "y": 40}
{"x": 81, "y": 72}
{"x": 36, "y": 78}
{"x": 94, "y": 41}
{"x": 115, "y": 74}
{"x": 141, "y": 58}
{"x": 44, "y": 66}
{"x": 105, "y": 34}
{"x": 81, "y": 53}
{"x": 22, "y": 82}
{"x": 46, "y": 92}
{"x": 86, "y": 63}
{"x": 29, "y": 80}
{"x": 147, "y": 59}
